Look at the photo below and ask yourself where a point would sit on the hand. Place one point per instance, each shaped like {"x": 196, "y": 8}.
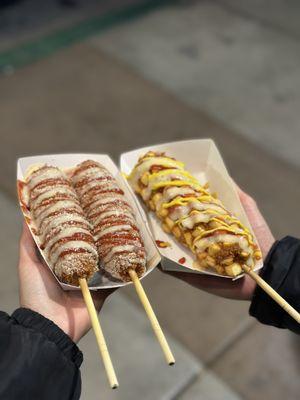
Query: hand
{"x": 243, "y": 288}
{"x": 40, "y": 292}
{"x": 261, "y": 229}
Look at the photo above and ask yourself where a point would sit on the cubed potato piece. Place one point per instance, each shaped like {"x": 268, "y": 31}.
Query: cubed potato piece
{"x": 211, "y": 262}
{"x": 176, "y": 231}
{"x": 166, "y": 228}
{"x": 220, "y": 270}
{"x": 233, "y": 270}
{"x": 227, "y": 261}
{"x": 169, "y": 222}
{"x": 162, "y": 212}
{"x": 151, "y": 205}
{"x": 145, "y": 178}
{"x": 188, "y": 238}
{"x": 156, "y": 198}
{"x": 244, "y": 254}
{"x": 202, "y": 255}
{"x": 214, "y": 249}
{"x": 203, "y": 264}
{"x": 143, "y": 192}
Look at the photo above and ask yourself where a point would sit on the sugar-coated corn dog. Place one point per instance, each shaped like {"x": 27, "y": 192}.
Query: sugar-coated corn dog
{"x": 63, "y": 231}
{"x": 196, "y": 218}
{"x": 117, "y": 236}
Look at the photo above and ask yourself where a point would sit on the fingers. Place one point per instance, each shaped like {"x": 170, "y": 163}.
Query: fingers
{"x": 259, "y": 225}
{"x": 201, "y": 281}
{"x": 198, "y": 280}
{"x": 27, "y": 245}
{"x": 240, "y": 289}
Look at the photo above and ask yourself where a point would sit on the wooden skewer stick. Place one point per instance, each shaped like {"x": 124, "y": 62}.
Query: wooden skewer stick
{"x": 272, "y": 293}
{"x": 111, "y": 375}
{"x": 152, "y": 317}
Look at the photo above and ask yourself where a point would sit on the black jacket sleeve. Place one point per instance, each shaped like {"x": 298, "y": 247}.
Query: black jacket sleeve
{"x": 37, "y": 359}
{"x": 282, "y": 271}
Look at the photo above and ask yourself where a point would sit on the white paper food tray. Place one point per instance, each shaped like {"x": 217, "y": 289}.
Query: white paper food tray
{"x": 203, "y": 159}
{"x": 99, "y": 279}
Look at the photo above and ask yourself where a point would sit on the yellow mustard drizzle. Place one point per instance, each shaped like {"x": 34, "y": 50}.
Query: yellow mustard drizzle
{"x": 206, "y": 233}
{"x": 194, "y": 212}
{"x": 223, "y": 224}
{"x": 207, "y": 198}
{"x": 245, "y": 231}
{"x": 176, "y": 183}
{"x": 186, "y": 200}
{"x": 180, "y": 202}
{"x": 179, "y": 163}
{"x": 171, "y": 171}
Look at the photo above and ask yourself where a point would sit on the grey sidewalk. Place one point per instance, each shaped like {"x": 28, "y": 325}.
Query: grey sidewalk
{"x": 242, "y": 71}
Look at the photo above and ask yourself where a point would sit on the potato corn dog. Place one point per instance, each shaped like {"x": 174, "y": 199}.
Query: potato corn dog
{"x": 196, "y": 218}
{"x": 117, "y": 236}
{"x": 63, "y": 231}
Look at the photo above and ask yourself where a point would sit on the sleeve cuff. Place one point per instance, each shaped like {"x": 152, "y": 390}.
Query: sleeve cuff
{"x": 33, "y": 320}
{"x": 277, "y": 266}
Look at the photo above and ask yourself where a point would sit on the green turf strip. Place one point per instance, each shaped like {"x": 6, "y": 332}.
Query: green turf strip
{"x": 30, "y": 52}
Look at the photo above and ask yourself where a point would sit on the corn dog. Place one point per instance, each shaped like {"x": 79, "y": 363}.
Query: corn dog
{"x": 196, "y": 218}
{"x": 116, "y": 234}
{"x": 63, "y": 231}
